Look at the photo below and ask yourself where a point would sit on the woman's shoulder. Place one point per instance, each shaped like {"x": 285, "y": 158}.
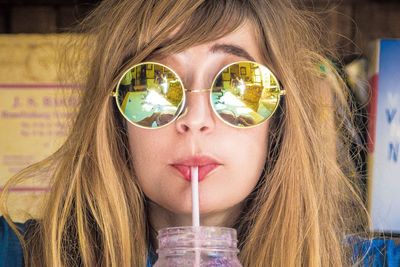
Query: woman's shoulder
{"x": 10, "y": 248}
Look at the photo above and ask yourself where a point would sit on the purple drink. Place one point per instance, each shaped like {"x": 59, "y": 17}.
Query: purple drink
{"x": 216, "y": 246}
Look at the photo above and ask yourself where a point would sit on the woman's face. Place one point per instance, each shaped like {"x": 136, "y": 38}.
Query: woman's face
{"x": 231, "y": 159}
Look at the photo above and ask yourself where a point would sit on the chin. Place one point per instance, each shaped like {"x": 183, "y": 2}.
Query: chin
{"x": 206, "y": 208}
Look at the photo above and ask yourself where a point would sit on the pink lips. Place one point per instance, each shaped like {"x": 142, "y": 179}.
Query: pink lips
{"x": 205, "y": 164}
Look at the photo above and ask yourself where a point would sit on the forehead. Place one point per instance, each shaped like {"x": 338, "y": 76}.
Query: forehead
{"x": 243, "y": 37}
{"x": 241, "y": 43}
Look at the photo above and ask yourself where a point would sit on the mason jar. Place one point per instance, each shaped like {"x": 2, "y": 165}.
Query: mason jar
{"x": 197, "y": 246}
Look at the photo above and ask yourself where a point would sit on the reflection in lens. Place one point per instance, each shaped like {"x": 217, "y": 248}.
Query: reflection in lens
{"x": 150, "y": 95}
{"x": 245, "y": 94}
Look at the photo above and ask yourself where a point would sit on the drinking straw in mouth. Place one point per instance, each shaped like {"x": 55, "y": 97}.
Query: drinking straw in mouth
{"x": 195, "y": 196}
{"x": 194, "y": 171}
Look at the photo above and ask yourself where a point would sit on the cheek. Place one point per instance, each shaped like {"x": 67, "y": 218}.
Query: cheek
{"x": 246, "y": 156}
{"x": 145, "y": 150}
{"x": 248, "y": 145}
{"x": 140, "y": 145}
{"x": 149, "y": 146}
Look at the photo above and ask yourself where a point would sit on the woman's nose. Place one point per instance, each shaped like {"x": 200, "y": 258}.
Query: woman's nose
{"x": 197, "y": 116}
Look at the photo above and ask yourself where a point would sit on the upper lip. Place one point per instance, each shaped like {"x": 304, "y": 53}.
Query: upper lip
{"x": 198, "y": 160}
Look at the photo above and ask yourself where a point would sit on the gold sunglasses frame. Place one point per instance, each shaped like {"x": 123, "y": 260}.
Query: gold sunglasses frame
{"x": 182, "y": 105}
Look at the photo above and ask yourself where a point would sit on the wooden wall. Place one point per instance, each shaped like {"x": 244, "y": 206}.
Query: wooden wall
{"x": 352, "y": 24}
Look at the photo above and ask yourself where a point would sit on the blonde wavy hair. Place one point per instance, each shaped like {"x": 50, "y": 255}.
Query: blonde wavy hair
{"x": 305, "y": 202}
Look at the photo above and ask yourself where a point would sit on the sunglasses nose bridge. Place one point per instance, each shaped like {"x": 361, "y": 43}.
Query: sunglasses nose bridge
{"x": 184, "y": 108}
{"x": 198, "y": 90}
{"x": 202, "y": 92}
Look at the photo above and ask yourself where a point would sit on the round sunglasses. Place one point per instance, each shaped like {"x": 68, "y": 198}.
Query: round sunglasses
{"x": 243, "y": 94}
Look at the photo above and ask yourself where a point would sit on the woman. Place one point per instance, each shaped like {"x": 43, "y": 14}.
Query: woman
{"x": 280, "y": 183}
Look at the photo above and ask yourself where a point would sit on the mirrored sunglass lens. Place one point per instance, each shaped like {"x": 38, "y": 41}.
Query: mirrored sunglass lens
{"x": 150, "y": 95}
{"x": 245, "y": 94}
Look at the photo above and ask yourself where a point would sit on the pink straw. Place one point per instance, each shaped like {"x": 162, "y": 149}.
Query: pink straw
{"x": 194, "y": 171}
{"x": 195, "y": 196}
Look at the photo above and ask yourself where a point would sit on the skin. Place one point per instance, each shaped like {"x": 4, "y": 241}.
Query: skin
{"x": 199, "y": 131}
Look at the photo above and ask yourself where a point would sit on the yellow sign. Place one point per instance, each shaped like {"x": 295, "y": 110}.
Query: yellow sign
{"x": 34, "y": 108}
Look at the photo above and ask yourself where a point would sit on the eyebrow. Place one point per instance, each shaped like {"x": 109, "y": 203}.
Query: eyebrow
{"x": 231, "y": 49}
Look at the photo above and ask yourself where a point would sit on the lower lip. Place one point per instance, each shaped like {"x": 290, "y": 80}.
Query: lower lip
{"x": 204, "y": 170}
